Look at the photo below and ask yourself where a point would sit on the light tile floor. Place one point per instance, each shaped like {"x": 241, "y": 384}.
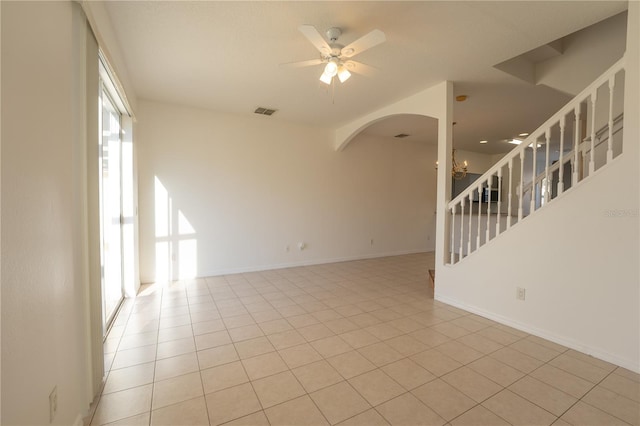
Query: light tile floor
{"x": 354, "y": 343}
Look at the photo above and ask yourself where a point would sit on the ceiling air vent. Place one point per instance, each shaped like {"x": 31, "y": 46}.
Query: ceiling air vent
{"x": 401, "y": 135}
{"x": 264, "y": 111}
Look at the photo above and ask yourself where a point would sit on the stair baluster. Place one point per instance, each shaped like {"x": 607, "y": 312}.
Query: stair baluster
{"x": 563, "y": 123}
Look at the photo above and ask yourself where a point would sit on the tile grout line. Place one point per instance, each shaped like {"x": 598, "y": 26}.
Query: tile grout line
{"x": 246, "y": 374}
{"x": 155, "y": 361}
{"x": 586, "y": 393}
{"x": 306, "y": 393}
{"x": 484, "y": 355}
{"x": 560, "y": 390}
{"x": 295, "y": 377}
{"x": 204, "y": 395}
{"x": 311, "y": 289}
{"x": 108, "y": 372}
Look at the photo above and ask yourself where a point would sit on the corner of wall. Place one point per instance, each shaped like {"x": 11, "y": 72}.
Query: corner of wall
{"x": 100, "y": 23}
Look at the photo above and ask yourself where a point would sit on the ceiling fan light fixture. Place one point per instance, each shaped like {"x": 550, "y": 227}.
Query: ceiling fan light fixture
{"x": 332, "y": 67}
{"x": 343, "y": 74}
{"x": 325, "y": 78}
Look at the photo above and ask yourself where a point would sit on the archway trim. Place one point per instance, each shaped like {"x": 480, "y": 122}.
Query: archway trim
{"x": 430, "y": 102}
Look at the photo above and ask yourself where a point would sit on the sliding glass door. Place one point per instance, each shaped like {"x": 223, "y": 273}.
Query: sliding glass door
{"x": 110, "y": 157}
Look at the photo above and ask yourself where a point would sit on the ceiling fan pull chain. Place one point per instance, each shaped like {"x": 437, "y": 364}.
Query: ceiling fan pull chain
{"x": 333, "y": 91}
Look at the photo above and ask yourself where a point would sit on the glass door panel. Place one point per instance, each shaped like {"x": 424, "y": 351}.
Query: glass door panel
{"x": 111, "y": 210}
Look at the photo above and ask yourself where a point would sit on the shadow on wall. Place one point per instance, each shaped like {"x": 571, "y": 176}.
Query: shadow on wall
{"x": 176, "y": 253}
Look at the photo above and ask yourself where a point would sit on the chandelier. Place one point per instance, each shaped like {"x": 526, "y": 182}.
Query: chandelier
{"x": 458, "y": 171}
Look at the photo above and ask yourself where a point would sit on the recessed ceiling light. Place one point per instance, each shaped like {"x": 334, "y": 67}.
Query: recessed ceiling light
{"x": 518, "y": 142}
{"x": 484, "y": 141}
{"x": 461, "y": 98}
{"x": 524, "y": 134}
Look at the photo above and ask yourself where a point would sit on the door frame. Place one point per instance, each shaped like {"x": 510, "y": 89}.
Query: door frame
{"x": 108, "y": 318}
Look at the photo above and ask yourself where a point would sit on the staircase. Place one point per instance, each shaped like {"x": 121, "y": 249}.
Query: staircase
{"x": 576, "y": 142}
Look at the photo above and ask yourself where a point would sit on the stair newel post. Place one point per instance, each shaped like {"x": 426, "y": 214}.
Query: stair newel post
{"x": 547, "y": 185}
{"x": 576, "y": 147}
{"x": 499, "y": 188}
{"x": 534, "y": 146}
{"x": 470, "y": 217}
{"x": 486, "y": 240}
{"x": 563, "y": 123}
{"x": 592, "y": 164}
{"x": 453, "y": 232}
{"x": 479, "y": 215}
{"x": 521, "y": 186}
{"x": 509, "y": 196}
{"x": 612, "y": 84}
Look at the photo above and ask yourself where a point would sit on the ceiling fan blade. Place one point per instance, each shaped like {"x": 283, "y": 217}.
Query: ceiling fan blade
{"x": 301, "y": 64}
{"x": 310, "y": 32}
{"x": 360, "y": 68}
{"x": 365, "y": 42}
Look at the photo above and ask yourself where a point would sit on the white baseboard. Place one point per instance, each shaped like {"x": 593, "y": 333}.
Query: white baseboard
{"x": 259, "y": 268}
{"x": 545, "y": 334}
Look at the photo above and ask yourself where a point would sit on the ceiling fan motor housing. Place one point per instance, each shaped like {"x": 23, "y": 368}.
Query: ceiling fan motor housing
{"x": 333, "y": 34}
{"x": 336, "y": 49}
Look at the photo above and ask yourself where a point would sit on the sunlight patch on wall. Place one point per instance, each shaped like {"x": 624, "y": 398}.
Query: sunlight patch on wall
{"x": 184, "y": 227}
{"x": 176, "y": 243}
{"x": 187, "y": 248}
{"x": 163, "y": 209}
{"x": 163, "y": 262}
{"x": 188, "y": 260}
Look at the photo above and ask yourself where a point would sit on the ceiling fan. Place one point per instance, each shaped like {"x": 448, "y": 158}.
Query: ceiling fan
{"x": 336, "y": 57}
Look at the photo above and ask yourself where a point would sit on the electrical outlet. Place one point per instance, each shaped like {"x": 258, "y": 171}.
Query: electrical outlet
{"x": 53, "y": 403}
{"x": 520, "y": 293}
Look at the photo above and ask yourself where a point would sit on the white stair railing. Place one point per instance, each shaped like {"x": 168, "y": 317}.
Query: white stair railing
{"x": 602, "y": 136}
{"x": 562, "y": 152}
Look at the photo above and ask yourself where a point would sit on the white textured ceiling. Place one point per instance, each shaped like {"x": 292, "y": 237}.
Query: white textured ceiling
{"x": 225, "y": 56}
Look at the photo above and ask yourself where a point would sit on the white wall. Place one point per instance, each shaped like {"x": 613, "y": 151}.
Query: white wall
{"x": 477, "y": 162}
{"x": 586, "y": 54}
{"x": 577, "y": 257}
{"x": 251, "y": 185}
{"x": 44, "y": 288}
